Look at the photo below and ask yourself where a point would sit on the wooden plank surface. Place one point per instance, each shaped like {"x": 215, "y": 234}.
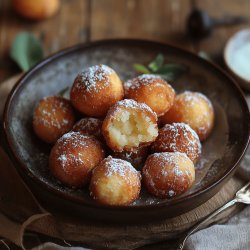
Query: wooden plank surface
{"x": 161, "y": 20}
{"x": 215, "y": 43}
{"x": 68, "y": 27}
{"x": 83, "y": 20}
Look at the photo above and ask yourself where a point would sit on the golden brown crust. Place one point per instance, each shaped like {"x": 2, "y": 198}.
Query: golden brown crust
{"x": 178, "y": 137}
{"x": 136, "y": 157}
{"x": 115, "y": 182}
{"x": 53, "y": 117}
{"x": 89, "y": 126}
{"x": 95, "y": 90}
{"x": 152, "y": 90}
{"x": 126, "y": 105}
{"x": 192, "y": 108}
{"x": 73, "y": 157}
{"x": 166, "y": 175}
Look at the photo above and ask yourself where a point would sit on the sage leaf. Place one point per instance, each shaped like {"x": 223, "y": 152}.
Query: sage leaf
{"x": 26, "y": 50}
{"x": 204, "y": 55}
{"x": 171, "y": 71}
{"x": 156, "y": 63}
{"x": 64, "y": 92}
{"x": 141, "y": 68}
{"x": 168, "y": 77}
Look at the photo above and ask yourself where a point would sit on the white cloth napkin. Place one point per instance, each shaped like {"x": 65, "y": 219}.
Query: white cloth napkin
{"x": 53, "y": 246}
{"x": 233, "y": 235}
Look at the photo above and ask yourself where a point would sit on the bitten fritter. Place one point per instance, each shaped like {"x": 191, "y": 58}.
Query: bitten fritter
{"x": 128, "y": 125}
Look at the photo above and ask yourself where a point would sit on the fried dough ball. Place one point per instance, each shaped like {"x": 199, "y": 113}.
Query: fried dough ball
{"x": 178, "y": 137}
{"x": 36, "y": 10}
{"x": 152, "y": 90}
{"x": 136, "y": 157}
{"x": 166, "y": 175}
{"x": 89, "y": 126}
{"x": 53, "y": 117}
{"x": 115, "y": 182}
{"x": 73, "y": 157}
{"x": 128, "y": 125}
{"x": 95, "y": 90}
{"x": 192, "y": 108}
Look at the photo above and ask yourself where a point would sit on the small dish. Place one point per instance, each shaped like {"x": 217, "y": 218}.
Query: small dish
{"x": 222, "y": 152}
{"x": 237, "y": 57}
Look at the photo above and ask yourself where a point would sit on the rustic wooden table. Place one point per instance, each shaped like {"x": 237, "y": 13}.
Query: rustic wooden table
{"x": 79, "y": 21}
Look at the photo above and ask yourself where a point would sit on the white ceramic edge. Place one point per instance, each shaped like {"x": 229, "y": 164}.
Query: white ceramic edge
{"x": 241, "y": 80}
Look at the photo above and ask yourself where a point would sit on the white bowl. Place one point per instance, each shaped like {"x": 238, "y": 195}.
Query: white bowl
{"x": 237, "y": 57}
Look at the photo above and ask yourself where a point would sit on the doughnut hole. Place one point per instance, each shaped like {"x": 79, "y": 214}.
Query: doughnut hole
{"x": 89, "y": 126}
{"x": 53, "y": 117}
{"x": 178, "y": 137}
{"x": 136, "y": 157}
{"x": 166, "y": 175}
{"x": 151, "y": 90}
{"x": 115, "y": 182}
{"x": 73, "y": 157}
{"x": 129, "y": 125}
{"x": 36, "y": 10}
{"x": 192, "y": 108}
{"x": 95, "y": 90}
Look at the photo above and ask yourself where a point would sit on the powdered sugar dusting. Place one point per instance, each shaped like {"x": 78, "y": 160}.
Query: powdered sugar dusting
{"x": 88, "y": 126}
{"x": 168, "y": 157}
{"x": 76, "y": 139}
{"x": 54, "y": 112}
{"x": 178, "y": 137}
{"x": 66, "y": 155}
{"x": 164, "y": 175}
{"x": 132, "y": 104}
{"x": 143, "y": 80}
{"x": 118, "y": 167}
{"x": 164, "y": 159}
{"x": 194, "y": 100}
{"x": 89, "y": 78}
{"x": 136, "y": 157}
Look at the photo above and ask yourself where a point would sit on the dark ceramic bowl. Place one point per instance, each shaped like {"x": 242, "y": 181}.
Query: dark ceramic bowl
{"x": 222, "y": 152}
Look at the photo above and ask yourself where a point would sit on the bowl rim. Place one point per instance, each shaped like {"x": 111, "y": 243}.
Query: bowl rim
{"x": 228, "y": 50}
{"x": 122, "y": 41}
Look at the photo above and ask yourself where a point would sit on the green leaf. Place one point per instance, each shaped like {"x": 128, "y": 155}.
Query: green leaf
{"x": 26, "y": 50}
{"x": 171, "y": 71}
{"x": 205, "y": 56}
{"x": 141, "y": 68}
{"x": 64, "y": 92}
{"x": 168, "y": 77}
{"x": 156, "y": 63}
